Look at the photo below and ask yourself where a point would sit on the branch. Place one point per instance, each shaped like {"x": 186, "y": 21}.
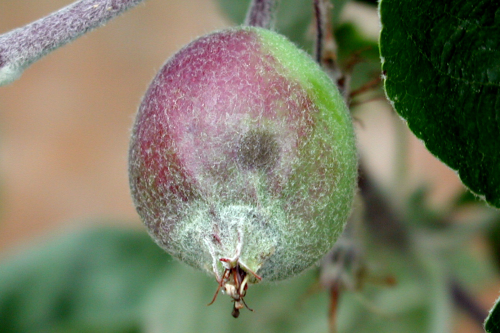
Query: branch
{"x": 21, "y": 47}
{"x": 261, "y": 13}
{"x": 322, "y": 25}
{"x": 326, "y": 46}
{"x": 467, "y": 303}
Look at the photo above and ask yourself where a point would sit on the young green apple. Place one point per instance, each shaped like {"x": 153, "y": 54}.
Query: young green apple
{"x": 242, "y": 159}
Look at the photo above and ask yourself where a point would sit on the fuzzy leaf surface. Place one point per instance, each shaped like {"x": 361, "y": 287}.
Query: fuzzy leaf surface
{"x": 442, "y": 67}
{"x": 492, "y": 323}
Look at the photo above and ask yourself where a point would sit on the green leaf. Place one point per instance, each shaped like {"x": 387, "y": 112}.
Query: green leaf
{"x": 178, "y": 303}
{"x": 117, "y": 280}
{"x": 113, "y": 280}
{"x": 293, "y": 19}
{"x": 350, "y": 40}
{"x": 442, "y": 65}
{"x": 492, "y": 323}
{"x": 89, "y": 281}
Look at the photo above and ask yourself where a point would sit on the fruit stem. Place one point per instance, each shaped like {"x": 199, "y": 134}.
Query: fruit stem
{"x": 261, "y": 13}
{"x": 21, "y": 47}
{"x": 326, "y": 46}
{"x": 321, "y": 20}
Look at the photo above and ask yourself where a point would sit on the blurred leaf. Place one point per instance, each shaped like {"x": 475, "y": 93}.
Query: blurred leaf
{"x": 466, "y": 198}
{"x": 424, "y": 266}
{"x": 178, "y": 304}
{"x": 84, "y": 282}
{"x": 116, "y": 280}
{"x": 493, "y": 236}
{"x": 293, "y": 18}
{"x": 442, "y": 66}
{"x": 492, "y": 323}
{"x": 351, "y": 41}
{"x": 419, "y": 213}
{"x": 418, "y": 302}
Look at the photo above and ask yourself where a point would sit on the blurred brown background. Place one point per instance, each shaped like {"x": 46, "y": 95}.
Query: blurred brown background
{"x": 64, "y": 126}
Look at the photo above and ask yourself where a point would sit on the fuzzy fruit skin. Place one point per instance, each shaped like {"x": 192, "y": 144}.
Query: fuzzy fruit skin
{"x": 243, "y": 148}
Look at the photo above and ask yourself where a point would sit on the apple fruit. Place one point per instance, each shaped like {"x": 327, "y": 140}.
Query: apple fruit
{"x": 243, "y": 159}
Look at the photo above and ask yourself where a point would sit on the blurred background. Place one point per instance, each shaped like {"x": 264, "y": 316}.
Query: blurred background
{"x": 66, "y": 215}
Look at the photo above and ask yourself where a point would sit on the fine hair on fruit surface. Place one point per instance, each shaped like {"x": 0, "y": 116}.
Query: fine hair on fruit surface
{"x": 243, "y": 157}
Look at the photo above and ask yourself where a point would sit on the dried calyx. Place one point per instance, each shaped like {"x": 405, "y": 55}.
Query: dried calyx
{"x": 234, "y": 283}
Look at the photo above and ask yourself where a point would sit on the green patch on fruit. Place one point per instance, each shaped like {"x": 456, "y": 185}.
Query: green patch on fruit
{"x": 333, "y": 123}
{"x": 299, "y": 66}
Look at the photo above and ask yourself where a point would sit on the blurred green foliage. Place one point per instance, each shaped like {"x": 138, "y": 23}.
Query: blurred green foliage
{"x": 89, "y": 281}
{"x": 110, "y": 279}
{"x": 118, "y": 280}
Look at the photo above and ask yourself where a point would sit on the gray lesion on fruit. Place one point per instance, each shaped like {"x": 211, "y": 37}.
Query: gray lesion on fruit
{"x": 258, "y": 149}
{"x": 240, "y": 233}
